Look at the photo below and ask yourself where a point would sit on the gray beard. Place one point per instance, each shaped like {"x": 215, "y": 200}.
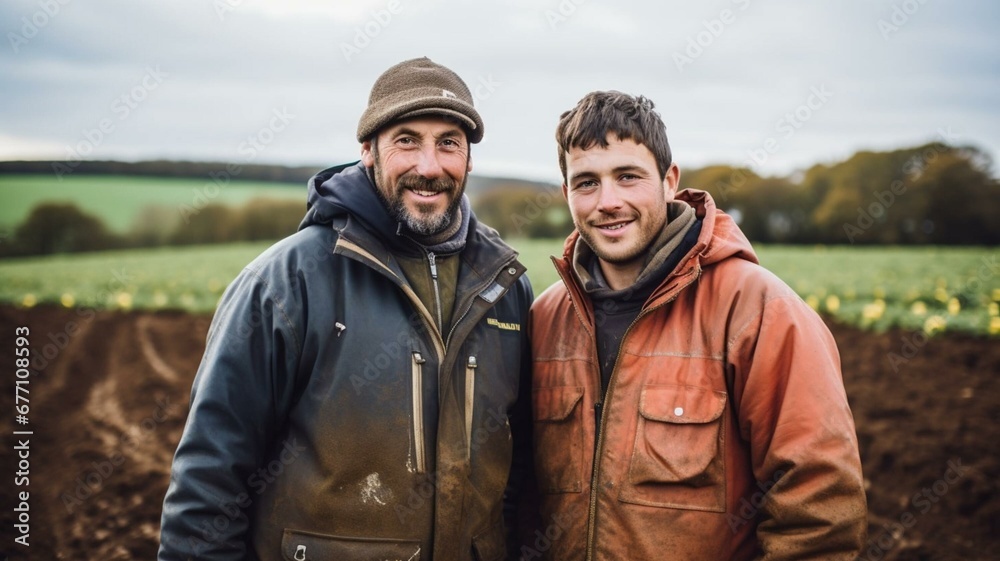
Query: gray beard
{"x": 423, "y": 226}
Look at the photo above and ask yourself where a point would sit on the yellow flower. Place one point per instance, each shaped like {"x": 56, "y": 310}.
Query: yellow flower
{"x": 873, "y": 311}
{"x": 813, "y": 301}
{"x": 832, "y": 303}
{"x": 67, "y": 300}
{"x": 994, "y": 309}
{"x": 124, "y": 300}
{"x": 996, "y": 294}
{"x": 934, "y": 324}
{"x": 995, "y": 325}
{"x": 954, "y": 306}
{"x": 879, "y": 292}
{"x": 941, "y": 295}
{"x": 29, "y": 300}
{"x": 918, "y": 308}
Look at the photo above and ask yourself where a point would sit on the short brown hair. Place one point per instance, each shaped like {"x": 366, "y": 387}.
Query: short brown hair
{"x": 599, "y": 114}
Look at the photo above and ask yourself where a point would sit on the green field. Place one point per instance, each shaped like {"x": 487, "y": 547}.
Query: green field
{"x": 117, "y": 200}
{"x": 930, "y": 288}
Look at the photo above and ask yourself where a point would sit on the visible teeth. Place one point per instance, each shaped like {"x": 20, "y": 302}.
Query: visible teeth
{"x": 615, "y": 227}
{"x": 424, "y": 193}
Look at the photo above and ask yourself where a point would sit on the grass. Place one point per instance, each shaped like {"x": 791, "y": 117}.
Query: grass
{"x": 188, "y": 278}
{"x": 930, "y": 288}
{"x": 117, "y": 200}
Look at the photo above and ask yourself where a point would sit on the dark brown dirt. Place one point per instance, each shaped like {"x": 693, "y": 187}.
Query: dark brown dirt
{"x": 927, "y": 416}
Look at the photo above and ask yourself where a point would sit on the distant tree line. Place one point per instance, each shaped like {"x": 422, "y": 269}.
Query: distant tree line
{"x": 65, "y": 228}
{"x": 930, "y": 194}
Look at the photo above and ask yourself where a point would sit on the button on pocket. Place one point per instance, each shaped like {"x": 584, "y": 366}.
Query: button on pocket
{"x": 559, "y": 438}
{"x": 678, "y": 457}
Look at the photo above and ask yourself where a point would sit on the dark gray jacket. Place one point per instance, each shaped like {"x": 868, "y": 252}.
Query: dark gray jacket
{"x": 330, "y": 420}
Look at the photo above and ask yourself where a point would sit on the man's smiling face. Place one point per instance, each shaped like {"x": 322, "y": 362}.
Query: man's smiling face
{"x": 421, "y": 166}
{"x": 618, "y": 202}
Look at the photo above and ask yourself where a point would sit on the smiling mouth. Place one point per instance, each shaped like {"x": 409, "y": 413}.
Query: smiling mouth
{"x": 612, "y": 227}
{"x": 423, "y": 193}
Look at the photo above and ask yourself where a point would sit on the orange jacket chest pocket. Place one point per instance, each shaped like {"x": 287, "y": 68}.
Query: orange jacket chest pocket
{"x": 558, "y": 413}
{"x": 678, "y": 457}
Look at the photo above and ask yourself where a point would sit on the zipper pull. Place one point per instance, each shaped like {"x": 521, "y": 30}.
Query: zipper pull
{"x": 433, "y": 261}
{"x": 470, "y": 398}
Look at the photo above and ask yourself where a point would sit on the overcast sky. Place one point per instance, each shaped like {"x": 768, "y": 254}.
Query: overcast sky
{"x": 785, "y": 82}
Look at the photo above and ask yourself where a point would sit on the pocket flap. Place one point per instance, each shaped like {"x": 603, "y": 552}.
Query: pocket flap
{"x": 556, "y": 403}
{"x": 307, "y": 546}
{"x": 681, "y": 404}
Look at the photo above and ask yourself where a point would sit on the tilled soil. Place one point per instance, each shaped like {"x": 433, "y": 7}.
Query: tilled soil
{"x": 109, "y": 399}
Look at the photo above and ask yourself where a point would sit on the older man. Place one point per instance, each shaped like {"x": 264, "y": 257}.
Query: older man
{"x": 354, "y": 396}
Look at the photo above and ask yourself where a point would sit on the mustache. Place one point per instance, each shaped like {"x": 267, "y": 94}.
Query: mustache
{"x": 418, "y": 183}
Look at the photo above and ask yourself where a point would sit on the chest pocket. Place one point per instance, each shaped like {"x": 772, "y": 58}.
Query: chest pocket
{"x": 559, "y": 438}
{"x": 678, "y": 457}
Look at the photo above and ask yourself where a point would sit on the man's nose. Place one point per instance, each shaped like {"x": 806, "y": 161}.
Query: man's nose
{"x": 428, "y": 165}
{"x": 608, "y": 200}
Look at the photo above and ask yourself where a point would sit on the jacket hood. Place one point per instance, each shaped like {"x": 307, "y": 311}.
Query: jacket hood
{"x": 347, "y": 190}
{"x": 720, "y": 237}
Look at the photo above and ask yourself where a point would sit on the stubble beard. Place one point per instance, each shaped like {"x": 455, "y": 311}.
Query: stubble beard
{"x": 621, "y": 254}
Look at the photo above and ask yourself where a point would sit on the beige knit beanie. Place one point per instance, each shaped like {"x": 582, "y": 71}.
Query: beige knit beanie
{"x": 419, "y": 87}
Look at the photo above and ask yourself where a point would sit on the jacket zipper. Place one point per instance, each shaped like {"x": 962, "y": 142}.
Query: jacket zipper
{"x": 603, "y": 411}
{"x": 599, "y": 412}
{"x": 432, "y": 259}
{"x": 418, "y": 411}
{"x": 441, "y": 342}
{"x": 470, "y": 394}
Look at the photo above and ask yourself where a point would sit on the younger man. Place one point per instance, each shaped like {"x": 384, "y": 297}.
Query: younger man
{"x": 687, "y": 404}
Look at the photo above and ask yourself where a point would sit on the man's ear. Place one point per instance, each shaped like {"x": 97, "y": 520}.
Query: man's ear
{"x": 468, "y": 166}
{"x": 671, "y": 182}
{"x": 565, "y": 192}
{"x": 367, "y": 157}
